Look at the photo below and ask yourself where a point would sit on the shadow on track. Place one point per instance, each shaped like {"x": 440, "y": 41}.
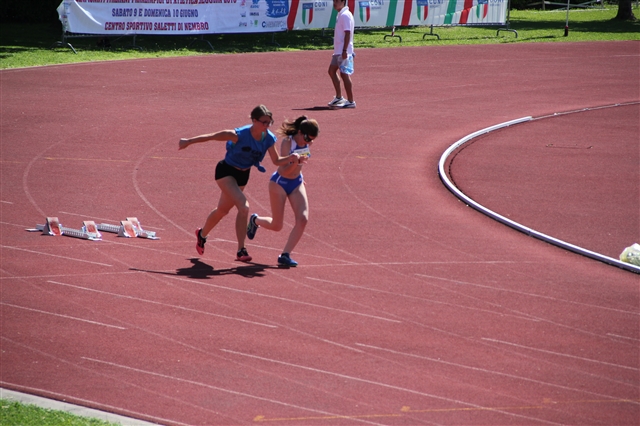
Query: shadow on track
{"x": 201, "y": 270}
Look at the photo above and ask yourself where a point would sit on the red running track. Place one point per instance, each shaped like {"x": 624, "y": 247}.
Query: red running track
{"x": 408, "y": 307}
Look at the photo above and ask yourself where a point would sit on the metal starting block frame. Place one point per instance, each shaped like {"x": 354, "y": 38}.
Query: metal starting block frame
{"x": 129, "y": 228}
{"x": 55, "y": 228}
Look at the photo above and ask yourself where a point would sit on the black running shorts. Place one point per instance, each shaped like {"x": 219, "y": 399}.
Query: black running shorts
{"x": 224, "y": 170}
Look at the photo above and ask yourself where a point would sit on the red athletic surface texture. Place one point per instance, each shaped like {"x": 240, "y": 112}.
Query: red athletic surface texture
{"x": 408, "y": 307}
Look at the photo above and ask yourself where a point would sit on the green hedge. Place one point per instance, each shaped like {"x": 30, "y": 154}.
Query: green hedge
{"x": 29, "y": 11}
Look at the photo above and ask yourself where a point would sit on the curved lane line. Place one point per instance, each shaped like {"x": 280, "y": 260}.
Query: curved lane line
{"x": 515, "y": 225}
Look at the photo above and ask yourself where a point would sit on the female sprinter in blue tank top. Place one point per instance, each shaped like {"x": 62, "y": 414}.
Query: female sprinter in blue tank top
{"x": 246, "y": 147}
{"x": 287, "y": 183}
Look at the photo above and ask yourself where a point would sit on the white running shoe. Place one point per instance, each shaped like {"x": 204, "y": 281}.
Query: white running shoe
{"x": 337, "y": 102}
{"x": 348, "y": 104}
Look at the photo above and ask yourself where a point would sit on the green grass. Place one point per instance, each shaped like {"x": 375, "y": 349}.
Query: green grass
{"x": 23, "y": 45}
{"x": 16, "y": 414}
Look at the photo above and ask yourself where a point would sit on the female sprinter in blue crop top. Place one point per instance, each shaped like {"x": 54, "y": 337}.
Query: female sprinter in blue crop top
{"x": 287, "y": 183}
{"x": 246, "y": 147}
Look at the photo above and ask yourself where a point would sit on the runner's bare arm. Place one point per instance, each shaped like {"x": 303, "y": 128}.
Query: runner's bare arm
{"x": 279, "y": 160}
{"x": 222, "y": 135}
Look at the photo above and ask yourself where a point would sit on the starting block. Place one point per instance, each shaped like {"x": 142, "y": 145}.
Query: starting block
{"x": 53, "y": 227}
{"x": 90, "y": 228}
{"x": 129, "y": 228}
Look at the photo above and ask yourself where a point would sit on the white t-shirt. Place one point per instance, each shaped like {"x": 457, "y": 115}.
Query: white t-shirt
{"x": 344, "y": 22}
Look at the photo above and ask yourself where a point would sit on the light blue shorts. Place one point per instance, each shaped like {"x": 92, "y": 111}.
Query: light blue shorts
{"x": 346, "y": 65}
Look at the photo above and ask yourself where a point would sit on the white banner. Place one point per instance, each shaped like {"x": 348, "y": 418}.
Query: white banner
{"x": 173, "y": 17}
{"x": 306, "y": 14}
{"x": 190, "y": 17}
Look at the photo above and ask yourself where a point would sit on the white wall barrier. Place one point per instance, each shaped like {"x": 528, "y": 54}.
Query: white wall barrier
{"x": 197, "y": 17}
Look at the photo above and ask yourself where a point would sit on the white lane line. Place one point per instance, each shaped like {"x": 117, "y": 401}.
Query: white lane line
{"x": 284, "y": 326}
{"x": 124, "y": 296}
{"x": 484, "y": 370}
{"x": 17, "y": 225}
{"x": 25, "y": 178}
{"x": 91, "y": 274}
{"x": 371, "y": 382}
{"x": 284, "y": 299}
{"x": 448, "y": 262}
{"x": 205, "y": 385}
{"x": 623, "y": 337}
{"x": 136, "y": 186}
{"x": 422, "y": 299}
{"x": 62, "y": 316}
{"x": 523, "y": 293}
{"x": 55, "y": 255}
{"x": 560, "y": 354}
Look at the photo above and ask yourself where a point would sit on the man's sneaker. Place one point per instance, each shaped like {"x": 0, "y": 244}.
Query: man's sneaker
{"x": 201, "y": 242}
{"x": 252, "y": 227}
{"x": 243, "y": 256}
{"x": 285, "y": 260}
{"x": 337, "y": 102}
{"x": 348, "y": 104}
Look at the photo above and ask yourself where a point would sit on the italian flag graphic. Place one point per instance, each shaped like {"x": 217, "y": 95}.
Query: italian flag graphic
{"x": 307, "y": 13}
{"x": 422, "y": 9}
{"x": 365, "y": 11}
{"x": 482, "y": 9}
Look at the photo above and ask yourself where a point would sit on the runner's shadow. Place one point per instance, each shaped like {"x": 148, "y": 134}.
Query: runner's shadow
{"x": 203, "y": 271}
{"x": 198, "y": 270}
{"x": 315, "y": 108}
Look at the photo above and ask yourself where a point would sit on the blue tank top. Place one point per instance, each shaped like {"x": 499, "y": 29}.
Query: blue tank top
{"x": 247, "y": 151}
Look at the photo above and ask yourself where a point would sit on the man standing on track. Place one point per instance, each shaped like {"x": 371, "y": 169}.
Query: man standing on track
{"x": 342, "y": 58}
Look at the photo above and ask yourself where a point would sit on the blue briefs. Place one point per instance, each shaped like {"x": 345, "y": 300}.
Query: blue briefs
{"x": 289, "y": 185}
